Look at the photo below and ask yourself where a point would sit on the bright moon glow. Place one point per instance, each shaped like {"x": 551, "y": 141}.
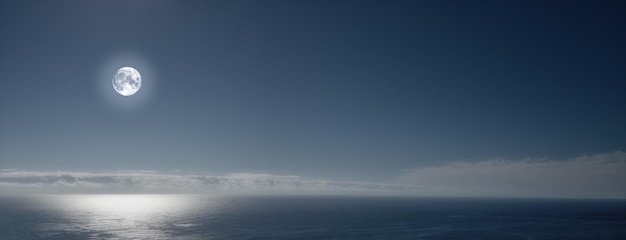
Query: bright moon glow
{"x": 127, "y": 81}
{"x": 124, "y": 216}
{"x": 124, "y": 204}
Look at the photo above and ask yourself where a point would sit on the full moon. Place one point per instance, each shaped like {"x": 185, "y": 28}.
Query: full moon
{"x": 127, "y": 81}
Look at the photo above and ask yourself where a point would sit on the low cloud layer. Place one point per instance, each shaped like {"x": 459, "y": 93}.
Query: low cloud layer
{"x": 590, "y": 176}
{"x": 16, "y": 181}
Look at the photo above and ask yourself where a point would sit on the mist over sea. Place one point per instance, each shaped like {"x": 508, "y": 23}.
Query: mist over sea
{"x": 152, "y": 216}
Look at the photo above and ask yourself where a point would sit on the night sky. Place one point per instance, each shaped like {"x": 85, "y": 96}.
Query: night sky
{"x": 341, "y": 90}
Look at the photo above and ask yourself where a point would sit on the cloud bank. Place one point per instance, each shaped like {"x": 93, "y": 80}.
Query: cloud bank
{"x": 17, "y": 181}
{"x": 589, "y": 176}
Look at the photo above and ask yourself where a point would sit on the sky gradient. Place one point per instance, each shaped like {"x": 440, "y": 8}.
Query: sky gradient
{"x": 339, "y": 90}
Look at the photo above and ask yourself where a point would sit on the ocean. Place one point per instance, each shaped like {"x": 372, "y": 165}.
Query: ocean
{"x": 148, "y": 216}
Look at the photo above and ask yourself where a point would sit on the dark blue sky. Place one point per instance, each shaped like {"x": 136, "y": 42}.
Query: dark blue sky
{"x": 352, "y": 90}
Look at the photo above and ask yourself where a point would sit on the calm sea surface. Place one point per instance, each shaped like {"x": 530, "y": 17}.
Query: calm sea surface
{"x": 122, "y": 216}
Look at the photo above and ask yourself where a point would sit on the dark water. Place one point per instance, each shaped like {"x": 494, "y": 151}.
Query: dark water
{"x": 205, "y": 217}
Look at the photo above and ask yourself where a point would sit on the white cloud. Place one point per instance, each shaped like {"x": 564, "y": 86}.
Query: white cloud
{"x": 16, "y": 181}
{"x": 592, "y": 176}
{"x": 589, "y": 176}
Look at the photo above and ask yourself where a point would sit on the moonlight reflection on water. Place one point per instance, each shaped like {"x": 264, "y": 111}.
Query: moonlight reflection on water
{"x": 312, "y": 217}
{"x": 123, "y": 216}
